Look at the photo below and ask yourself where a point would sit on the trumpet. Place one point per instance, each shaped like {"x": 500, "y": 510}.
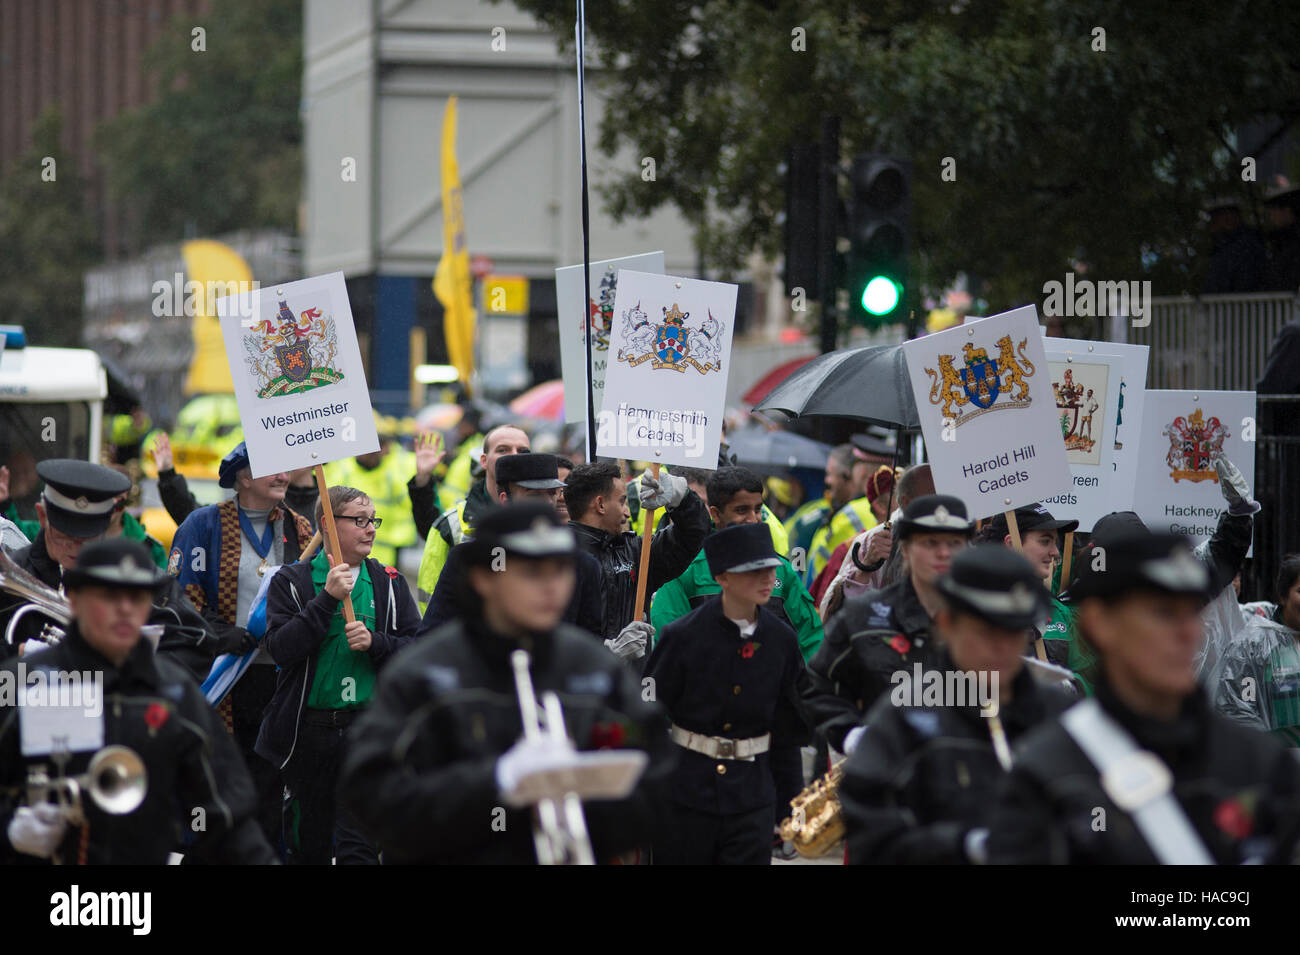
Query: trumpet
{"x": 116, "y": 781}
{"x": 559, "y": 830}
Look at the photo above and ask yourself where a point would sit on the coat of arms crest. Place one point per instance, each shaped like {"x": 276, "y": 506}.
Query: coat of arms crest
{"x": 672, "y": 344}
{"x": 982, "y": 381}
{"x": 600, "y": 314}
{"x": 292, "y": 355}
{"x": 1194, "y": 443}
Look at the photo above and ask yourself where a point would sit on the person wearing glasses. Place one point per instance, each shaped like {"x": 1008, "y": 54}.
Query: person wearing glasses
{"x": 327, "y": 674}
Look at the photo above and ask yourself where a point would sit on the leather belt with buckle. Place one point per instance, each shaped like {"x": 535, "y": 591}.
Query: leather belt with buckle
{"x": 719, "y": 747}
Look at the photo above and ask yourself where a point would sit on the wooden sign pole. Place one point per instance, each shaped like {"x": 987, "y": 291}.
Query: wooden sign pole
{"x": 332, "y": 535}
{"x": 647, "y": 532}
{"x": 1014, "y": 530}
{"x": 1066, "y": 559}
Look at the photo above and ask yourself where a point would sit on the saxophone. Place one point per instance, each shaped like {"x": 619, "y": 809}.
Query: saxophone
{"x": 816, "y": 822}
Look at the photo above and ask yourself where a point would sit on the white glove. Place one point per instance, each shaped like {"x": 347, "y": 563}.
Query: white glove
{"x": 632, "y": 640}
{"x": 1234, "y": 487}
{"x": 976, "y": 845}
{"x": 37, "y": 831}
{"x": 668, "y": 491}
{"x": 527, "y": 757}
{"x": 852, "y": 738}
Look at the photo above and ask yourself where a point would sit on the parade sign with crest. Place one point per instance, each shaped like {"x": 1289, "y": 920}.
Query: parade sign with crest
{"x": 598, "y": 311}
{"x": 988, "y": 413}
{"x": 1183, "y": 432}
{"x": 666, "y": 385}
{"x": 1086, "y": 379}
{"x": 297, "y": 374}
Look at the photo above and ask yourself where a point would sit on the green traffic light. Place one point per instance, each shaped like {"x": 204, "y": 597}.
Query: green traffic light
{"x": 881, "y": 295}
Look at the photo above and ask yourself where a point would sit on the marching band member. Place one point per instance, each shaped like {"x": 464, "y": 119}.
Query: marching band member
{"x": 433, "y": 766}
{"x": 882, "y": 631}
{"x": 75, "y": 508}
{"x": 729, "y": 674}
{"x": 1145, "y": 771}
{"x": 195, "y": 783}
{"x": 919, "y": 785}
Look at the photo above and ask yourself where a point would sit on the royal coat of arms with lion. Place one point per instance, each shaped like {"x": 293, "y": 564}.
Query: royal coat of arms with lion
{"x": 976, "y": 388}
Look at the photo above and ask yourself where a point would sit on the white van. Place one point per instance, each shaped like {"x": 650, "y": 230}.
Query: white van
{"x": 51, "y": 406}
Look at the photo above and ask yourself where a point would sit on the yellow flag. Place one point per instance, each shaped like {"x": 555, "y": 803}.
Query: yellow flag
{"x": 451, "y": 283}
{"x": 208, "y": 261}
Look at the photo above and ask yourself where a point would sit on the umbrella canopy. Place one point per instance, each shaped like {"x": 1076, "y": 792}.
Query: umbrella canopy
{"x": 773, "y": 378}
{"x": 544, "y": 401}
{"x": 776, "y": 448}
{"x": 868, "y": 383}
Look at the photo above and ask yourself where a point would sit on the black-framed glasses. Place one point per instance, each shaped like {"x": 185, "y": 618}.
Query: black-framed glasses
{"x": 361, "y": 520}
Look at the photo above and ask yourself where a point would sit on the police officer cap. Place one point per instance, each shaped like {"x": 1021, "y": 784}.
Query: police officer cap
{"x": 995, "y": 584}
{"x": 531, "y": 529}
{"x": 534, "y": 471}
{"x": 119, "y": 563}
{"x": 868, "y": 446}
{"x": 934, "y": 513}
{"x": 79, "y": 496}
{"x": 232, "y": 464}
{"x": 1129, "y": 560}
{"x": 739, "y": 548}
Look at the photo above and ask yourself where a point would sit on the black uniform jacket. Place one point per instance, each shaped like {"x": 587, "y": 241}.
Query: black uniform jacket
{"x": 671, "y": 552}
{"x": 298, "y": 619}
{"x": 873, "y": 636}
{"x": 713, "y": 681}
{"x": 922, "y": 777}
{"x": 187, "y": 636}
{"x": 420, "y": 770}
{"x": 194, "y": 770}
{"x": 1239, "y": 788}
{"x": 452, "y": 595}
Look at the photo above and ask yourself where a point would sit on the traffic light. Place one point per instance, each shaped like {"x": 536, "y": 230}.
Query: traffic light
{"x": 880, "y": 213}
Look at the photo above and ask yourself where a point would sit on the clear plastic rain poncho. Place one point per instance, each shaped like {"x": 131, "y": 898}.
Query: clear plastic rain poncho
{"x": 1256, "y": 680}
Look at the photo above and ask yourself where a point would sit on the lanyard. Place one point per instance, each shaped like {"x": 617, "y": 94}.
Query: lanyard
{"x": 263, "y": 546}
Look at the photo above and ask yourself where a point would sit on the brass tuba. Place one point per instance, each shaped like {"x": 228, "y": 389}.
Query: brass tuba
{"x": 816, "y": 821}
{"x": 40, "y": 599}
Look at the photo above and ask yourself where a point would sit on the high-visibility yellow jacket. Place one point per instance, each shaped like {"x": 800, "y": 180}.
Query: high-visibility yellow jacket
{"x": 385, "y": 485}
{"x": 454, "y": 486}
{"x": 850, "y": 520}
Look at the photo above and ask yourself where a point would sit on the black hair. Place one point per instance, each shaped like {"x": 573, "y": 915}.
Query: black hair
{"x": 694, "y": 475}
{"x": 565, "y": 463}
{"x": 587, "y": 482}
{"x": 1287, "y": 572}
{"x": 727, "y": 482}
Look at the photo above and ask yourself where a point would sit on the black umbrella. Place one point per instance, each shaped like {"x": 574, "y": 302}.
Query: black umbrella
{"x": 868, "y": 383}
{"x": 776, "y": 448}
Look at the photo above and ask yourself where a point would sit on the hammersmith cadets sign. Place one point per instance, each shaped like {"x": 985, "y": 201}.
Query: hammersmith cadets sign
{"x": 988, "y": 414}
{"x": 666, "y": 383}
{"x": 297, "y": 374}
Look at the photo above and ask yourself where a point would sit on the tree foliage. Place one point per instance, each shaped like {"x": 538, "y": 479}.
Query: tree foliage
{"x": 48, "y": 238}
{"x": 1064, "y": 153}
{"x": 220, "y": 147}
